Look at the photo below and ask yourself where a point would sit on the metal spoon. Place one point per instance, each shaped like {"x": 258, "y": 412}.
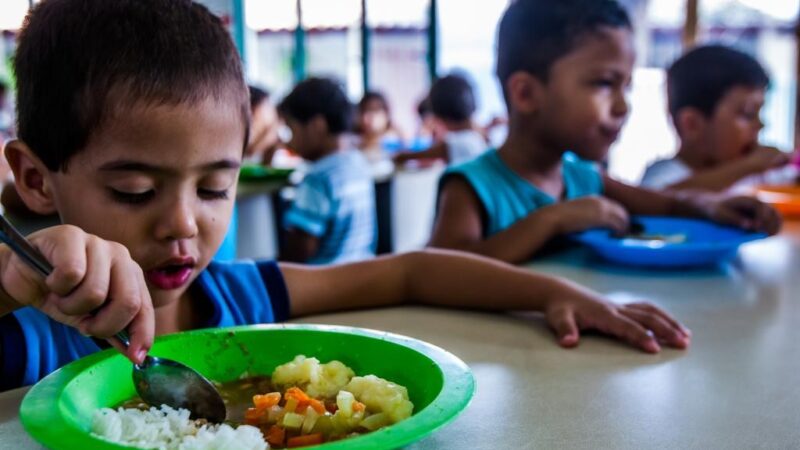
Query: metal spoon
{"x": 158, "y": 381}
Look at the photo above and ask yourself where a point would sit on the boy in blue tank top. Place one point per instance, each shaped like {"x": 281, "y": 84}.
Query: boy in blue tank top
{"x": 133, "y": 117}
{"x": 565, "y": 67}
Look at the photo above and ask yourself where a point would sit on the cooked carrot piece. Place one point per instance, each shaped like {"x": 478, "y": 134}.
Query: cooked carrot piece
{"x": 302, "y": 441}
{"x": 275, "y": 436}
{"x": 267, "y": 400}
{"x": 297, "y": 393}
{"x": 317, "y": 406}
{"x": 251, "y": 416}
{"x": 358, "y": 406}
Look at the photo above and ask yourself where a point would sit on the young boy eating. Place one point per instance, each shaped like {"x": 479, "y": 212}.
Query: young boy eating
{"x": 133, "y": 118}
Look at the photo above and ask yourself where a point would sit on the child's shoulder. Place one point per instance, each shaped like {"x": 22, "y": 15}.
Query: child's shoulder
{"x": 664, "y": 172}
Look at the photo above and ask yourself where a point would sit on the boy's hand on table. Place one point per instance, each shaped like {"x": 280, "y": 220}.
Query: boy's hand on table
{"x": 745, "y": 212}
{"x": 95, "y": 286}
{"x": 641, "y": 325}
{"x": 589, "y": 212}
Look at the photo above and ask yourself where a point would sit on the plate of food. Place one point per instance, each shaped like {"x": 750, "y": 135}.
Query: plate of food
{"x": 259, "y": 172}
{"x": 668, "y": 242}
{"x": 786, "y": 199}
{"x": 284, "y": 386}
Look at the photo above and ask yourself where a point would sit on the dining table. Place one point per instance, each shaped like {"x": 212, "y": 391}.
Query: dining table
{"x": 736, "y": 387}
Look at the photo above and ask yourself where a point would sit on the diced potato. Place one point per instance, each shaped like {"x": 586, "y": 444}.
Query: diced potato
{"x": 381, "y": 396}
{"x": 293, "y": 421}
{"x": 344, "y": 400}
{"x": 375, "y": 421}
{"x": 317, "y": 380}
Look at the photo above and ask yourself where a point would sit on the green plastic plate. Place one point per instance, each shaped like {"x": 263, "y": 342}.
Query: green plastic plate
{"x": 257, "y": 172}
{"x": 58, "y": 410}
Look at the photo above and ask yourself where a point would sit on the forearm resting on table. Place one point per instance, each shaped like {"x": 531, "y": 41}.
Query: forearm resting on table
{"x": 433, "y": 277}
{"x": 516, "y": 244}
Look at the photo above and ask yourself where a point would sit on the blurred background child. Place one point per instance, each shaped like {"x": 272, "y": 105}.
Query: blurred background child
{"x": 375, "y": 132}
{"x": 332, "y": 218}
{"x": 452, "y": 102}
{"x": 715, "y": 94}
{"x": 264, "y": 123}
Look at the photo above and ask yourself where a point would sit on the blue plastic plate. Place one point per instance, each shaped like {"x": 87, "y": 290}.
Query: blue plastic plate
{"x": 683, "y": 243}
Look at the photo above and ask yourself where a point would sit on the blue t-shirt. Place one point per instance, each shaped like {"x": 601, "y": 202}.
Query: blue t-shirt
{"x": 507, "y": 198}
{"x": 236, "y": 292}
{"x": 335, "y": 202}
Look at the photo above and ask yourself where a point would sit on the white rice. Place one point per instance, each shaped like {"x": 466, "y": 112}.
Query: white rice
{"x": 170, "y": 429}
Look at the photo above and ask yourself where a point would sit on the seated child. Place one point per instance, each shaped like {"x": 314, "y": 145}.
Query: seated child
{"x": 374, "y": 127}
{"x": 137, "y": 146}
{"x": 263, "y": 128}
{"x": 715, "y": 95}
{"x": 453, "y": 104}
{"x": 564, "y": 67}
{"x": 332, "y": 218}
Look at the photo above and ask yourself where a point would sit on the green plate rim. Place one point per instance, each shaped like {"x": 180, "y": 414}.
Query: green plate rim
{"x": 256, "y": 172}
{"x": 39, "y": 412}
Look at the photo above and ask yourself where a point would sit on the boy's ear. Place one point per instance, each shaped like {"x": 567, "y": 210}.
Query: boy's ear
{"x": 689, "y": 122}
{"x": 31, "y": 178}
{"x": 525, "y": 92}
{"x": 318, "y": 125}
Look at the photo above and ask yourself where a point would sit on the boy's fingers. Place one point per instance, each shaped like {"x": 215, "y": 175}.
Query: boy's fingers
{"x": 661, "y": 313}
{"x": 142, "y": 328}
{"x": 94, "y": 290}
{"x": 663, "y": 330}
{"x": 68, "y": 258}
{"x": 563, "y": 324}
{"x": 630, "y": 331}
{"x": 124, "y": 302}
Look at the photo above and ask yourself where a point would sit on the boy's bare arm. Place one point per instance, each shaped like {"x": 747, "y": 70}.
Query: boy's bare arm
{"x": 300, "y": 246}
{"x": 744, "y": 212}
{"x": 458, "y": 280}
{"x": 725, "y": 175}
{"x": 459, "y": 226}
{"x": 436, "y": 151}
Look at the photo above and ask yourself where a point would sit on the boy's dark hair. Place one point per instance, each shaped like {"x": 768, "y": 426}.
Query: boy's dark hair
{"x": 452, "y": 98}
{"x": 257, "y": 95}
{"x": 702, "y": 76}
{"x": 80, "y": 61}
{"x": 373, "y": 95}
{"x": 533, "y": 34}
{"x": 319, "y": 96}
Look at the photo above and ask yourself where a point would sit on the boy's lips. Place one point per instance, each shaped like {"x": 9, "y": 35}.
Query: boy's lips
{"x": 172, "y": 274}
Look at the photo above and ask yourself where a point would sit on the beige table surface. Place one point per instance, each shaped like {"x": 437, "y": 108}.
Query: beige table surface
{"x": 737, "y": 387}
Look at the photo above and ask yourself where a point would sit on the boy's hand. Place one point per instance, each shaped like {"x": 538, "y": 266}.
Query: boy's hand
{"x": 745, "y": 212}
{"x": 641, "y": 325}
{"x": 762, "y": 159}
{"x": 95, "y": 286}
{"x": 589, "y": 212}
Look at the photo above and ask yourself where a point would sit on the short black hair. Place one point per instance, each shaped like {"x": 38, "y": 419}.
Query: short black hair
{"x": 319, "y": 96}
{"x": 79, "y": 61}
{"x": 373, "y": 95}
{"x": 452, "y": 98}
{"x": 702, "y": 76}
{"x": 257, "y": 95}
{"x": 533, "y": 34}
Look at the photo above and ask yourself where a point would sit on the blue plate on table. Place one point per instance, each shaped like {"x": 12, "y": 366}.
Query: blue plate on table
{"x": 669, "y": 242}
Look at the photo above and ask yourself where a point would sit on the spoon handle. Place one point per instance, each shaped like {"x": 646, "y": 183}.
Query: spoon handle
{"x": 25, "y": 250}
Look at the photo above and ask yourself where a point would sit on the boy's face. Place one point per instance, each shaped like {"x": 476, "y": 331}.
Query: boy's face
{"x": 732, "y": 131}
{"x": 308, "y": 139}
{"x": 160, "y": 180}
{"x": 584, "y": 102}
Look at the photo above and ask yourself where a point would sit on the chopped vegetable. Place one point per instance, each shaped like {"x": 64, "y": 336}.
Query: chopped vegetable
{"x": 302, "y": 441}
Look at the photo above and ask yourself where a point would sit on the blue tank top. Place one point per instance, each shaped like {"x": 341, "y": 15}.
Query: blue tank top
{"x": 507, "y": 198}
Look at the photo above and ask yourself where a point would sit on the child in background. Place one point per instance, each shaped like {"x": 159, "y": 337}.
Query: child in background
{"x": 332, "y": 218}
{"x": 374, "y": 126}
{"x": 263, "y": 128}
{"x": 565, "y": 68}
{"x": 137, "y": 146}
{"x": 453, "y": 103}
{"x": 715, "y": 95}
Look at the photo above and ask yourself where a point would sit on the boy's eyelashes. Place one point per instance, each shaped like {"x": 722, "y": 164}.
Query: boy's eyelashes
{"x": 137, "y": 198}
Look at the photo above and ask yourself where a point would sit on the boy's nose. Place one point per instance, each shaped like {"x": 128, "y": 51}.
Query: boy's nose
{"x": 177, "y": 222}
{"x": 620, "y": 106}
